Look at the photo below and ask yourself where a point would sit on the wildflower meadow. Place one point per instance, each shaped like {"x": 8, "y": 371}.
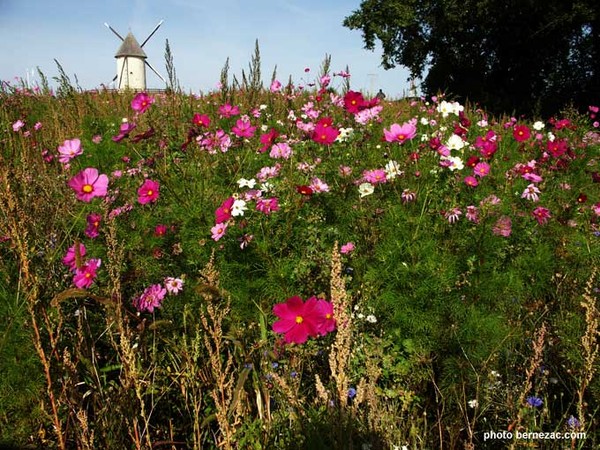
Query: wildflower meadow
{"x": 297, "y": 266}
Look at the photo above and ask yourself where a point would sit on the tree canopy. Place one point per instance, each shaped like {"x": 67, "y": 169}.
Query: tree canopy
{"x": 521, "y": 56}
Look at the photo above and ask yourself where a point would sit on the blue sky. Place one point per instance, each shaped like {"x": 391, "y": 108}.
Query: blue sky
{"x": 292, "y": 34}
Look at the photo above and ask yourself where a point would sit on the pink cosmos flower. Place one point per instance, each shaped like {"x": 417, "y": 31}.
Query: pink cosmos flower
{"x": 93, "y": 224}
{"x": 408, "y": 196}
{"x": 596, "y": 208}
{"x": 471, "y": 181}
{"x": 400, "y": 133}
{"x": 267, "y": 205}
{"x": 503, "y": 227}
{"x": 148, "y": 192}
{"x": 70, "y": 258}
{"x": 317, "y": 185}
{"x": 85, "y": 275}
{"x": 472, "y": 214}
{"x": 223, "y": 212}
{"x": 531, "y": 193}
{"x": 173, "y": 285}
{"x": 541, "y": 214}
{"x": 151, "y": 298}
{"x": 521, "y": 133}
{"x": 227, "y": 110}
{"x": 267, "y": 173}
{"x": 345, "y": 171}
{"x": 481, "y": 169}
{"x": 453, "y": 215}
{"x": 218, "y": 231}
{"x": 69, "y": 150}
{"x": 281, "y": 150}
{"x": 275, "y": 86}
{"x": 243, "y": 128}
{"x": 88, "y": 184}
{"x": 375, "y": 176}
{"x": 18, "y": 125}
{"x": 298, "y": 320}
{"x": 124, "y": 130}
{"x": 347, "y": 248}
{"x": 141, "y": 102}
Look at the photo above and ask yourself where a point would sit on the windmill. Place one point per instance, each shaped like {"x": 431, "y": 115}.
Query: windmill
{"x": 131, "y": 61}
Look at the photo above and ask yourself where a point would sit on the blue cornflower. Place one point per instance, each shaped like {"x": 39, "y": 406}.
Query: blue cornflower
{"x": 573, "y": 422}
{"x": 351, "y": 393}
{"x": 534, "y": 402}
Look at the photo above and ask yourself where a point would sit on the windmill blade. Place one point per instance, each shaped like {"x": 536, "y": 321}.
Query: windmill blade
{"x": 153, "y": 31}
{"x": 113, "y": 30}
{"x": 154, "y": 70}
{"x": 115, "y": 78}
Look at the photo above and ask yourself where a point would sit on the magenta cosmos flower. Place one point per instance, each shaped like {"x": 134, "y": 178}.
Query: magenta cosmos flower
{"x": 88, "y": 184}
{"x": 327, "y": 323}
{"x": 151, "y": 298}
{"x": 70, "y": 258}
{"x": 141, "y": 102}
{"x": 541, "y": 214}
{"x": 148, "y": 192}
{"x": 223, "y": 212}
{"x": 243, "y": 128}
{"x": 298, "y": 320}
{"x": 400, "y": 133}
{"x": 85, "y": 275}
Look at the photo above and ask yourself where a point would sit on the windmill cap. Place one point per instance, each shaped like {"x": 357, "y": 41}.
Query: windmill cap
{"x": 130, "y": 47}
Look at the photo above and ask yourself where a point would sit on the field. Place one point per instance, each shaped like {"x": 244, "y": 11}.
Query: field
{"x": 295, "y": 268}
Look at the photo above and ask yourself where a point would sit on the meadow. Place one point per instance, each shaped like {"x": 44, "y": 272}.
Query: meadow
{"x": 297, "y": 266}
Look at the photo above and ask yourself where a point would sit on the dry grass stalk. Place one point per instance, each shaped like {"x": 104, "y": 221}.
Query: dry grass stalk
{"x": 221, "y": 363}
{"x": 14, "y": 217}
{"x": 339, "y": 356}
{"x": 589, "y": 344}
{"x": 534, "y": 364}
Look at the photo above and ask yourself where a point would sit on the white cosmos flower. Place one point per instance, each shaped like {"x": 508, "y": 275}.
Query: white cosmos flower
{"x": 455, "y": 162}
{"x": 455, "y": 142}
{"x": 242, "y": 182}
{"x": 538, "y": 126}
{"x": 238, "y": 208}
{"x": 366, "y": 189}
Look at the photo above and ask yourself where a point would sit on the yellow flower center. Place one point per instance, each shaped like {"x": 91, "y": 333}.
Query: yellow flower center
{"x": 401, "y": 137}
{"x": 87, "y": 188}
{"x": 150, "y": 192}
{"x": 328, "y": 316}
{"x": 299, "y": 319}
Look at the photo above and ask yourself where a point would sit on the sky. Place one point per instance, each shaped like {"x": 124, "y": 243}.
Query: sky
{"x": 202, "y": 34}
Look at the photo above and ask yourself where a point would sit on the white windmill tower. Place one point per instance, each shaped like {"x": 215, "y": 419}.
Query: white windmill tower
{"x": 131, "y": 62}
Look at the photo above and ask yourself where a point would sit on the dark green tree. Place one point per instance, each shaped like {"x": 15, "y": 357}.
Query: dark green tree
{"x": 521, "y": 56}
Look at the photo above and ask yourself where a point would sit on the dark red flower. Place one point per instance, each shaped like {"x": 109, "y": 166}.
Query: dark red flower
{"x": 354, "y": 102}
{"x": 304, "y": 190}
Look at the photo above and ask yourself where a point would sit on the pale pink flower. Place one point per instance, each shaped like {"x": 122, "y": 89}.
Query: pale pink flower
{"x": 531, "y": 193}
{"x": 281, "y": 150}
{"x": 541, "y": 214}
{"x": 69, "y": 149}
{"x": 472, "y": 214}
{"x": 218, "y": 231}
{"x": 400, "y": 133}
{"x": 503, "y": 227}
{"x": 18, "y": 125}
{"x": 453, "y": 215}
{"x": 408, "y": 196}
{"x": 318, "y": 186}
{"x": 173, "y": 285}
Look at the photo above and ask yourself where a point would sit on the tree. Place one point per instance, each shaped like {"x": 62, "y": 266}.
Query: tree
{"x": 521, "y": 56}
